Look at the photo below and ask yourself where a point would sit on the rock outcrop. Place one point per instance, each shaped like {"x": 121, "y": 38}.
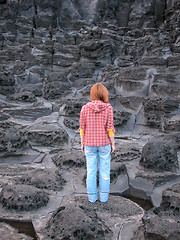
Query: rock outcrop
{"x": 51, "y": 53}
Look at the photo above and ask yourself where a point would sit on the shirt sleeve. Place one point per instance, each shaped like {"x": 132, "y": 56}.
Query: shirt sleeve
{"x": 110, "y": 123}
{"x": 81, "y": 132}
{"x": 82, "y": 121}
{"x": 110, "y": 133}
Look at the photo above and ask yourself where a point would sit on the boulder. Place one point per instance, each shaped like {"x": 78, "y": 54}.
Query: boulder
{"x": 71, "y": 159}
{"x": 46, "y": 134}
{"x": 10, "y": 233}
{"x": 160, "y": 155}
{"x": 23, "y": 197}
{"x": 43, "y": 179}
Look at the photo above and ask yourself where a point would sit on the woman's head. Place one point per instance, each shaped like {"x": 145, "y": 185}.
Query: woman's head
{"x": 99, "y": 92}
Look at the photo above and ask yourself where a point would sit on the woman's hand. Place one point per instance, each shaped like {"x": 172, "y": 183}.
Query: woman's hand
{"x": 112, "y": 148}
{"x": 82, "y": 148}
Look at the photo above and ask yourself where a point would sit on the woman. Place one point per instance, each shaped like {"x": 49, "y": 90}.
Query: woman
{"x": 97, "y": 141}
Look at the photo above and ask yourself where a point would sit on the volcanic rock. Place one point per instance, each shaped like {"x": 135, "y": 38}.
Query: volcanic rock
{"x": 23, "y": 197}
{"x": 160, "y": 155}
{"x": 10, "y": 233}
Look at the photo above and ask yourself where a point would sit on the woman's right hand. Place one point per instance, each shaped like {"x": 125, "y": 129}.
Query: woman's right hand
{"x": 82, "y": 148}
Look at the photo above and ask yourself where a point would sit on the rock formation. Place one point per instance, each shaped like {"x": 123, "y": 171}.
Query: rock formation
{"x": 51, "y": 52}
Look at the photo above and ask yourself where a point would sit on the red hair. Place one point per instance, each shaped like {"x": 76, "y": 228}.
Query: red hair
{"x": 99, "y": 92}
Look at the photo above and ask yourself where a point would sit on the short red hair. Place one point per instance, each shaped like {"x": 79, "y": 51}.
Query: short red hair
{"x": 99, "y": 92}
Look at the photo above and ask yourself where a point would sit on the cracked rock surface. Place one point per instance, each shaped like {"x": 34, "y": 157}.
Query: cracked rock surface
{"x": 51, "y": 53}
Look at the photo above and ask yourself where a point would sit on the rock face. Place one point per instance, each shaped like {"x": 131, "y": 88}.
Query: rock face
{"x": 163, "y": 222}
{"x": 160, "y": 155}
{"x": 8, "y": 232}
{"x": 43, "y": 179}
{"x": 83, "y": 225}
{"x": 51, "y": 53}
{"x": 78, "y": 219}
{"x": 21, "y": 197}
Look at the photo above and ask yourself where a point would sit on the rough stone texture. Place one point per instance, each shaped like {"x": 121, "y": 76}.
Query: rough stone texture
{"x": 160, "y": 155}
{"x": 170, "y": 201}
{"x": 43, "y": 179}
{"x": 121, "y": 118}
{"x": 51, "y": 53}
{"x": 28, "y": 113}
{"x": 163, "y": 222}
{"x": 68, "y": 160}
{"x": 125, "y": 153}
{"x": 116, "y": 170}
{"x": 47, "y": 134}
{"x": 23, "y": 96}
{"x": 159, "y": 112}
{"x": 78, "y": 219}
{"x": 12, "y": 137}
{"x": 77, "y": 223}
{"x": 10, "y": 233}
{"x": 23, "y": 197}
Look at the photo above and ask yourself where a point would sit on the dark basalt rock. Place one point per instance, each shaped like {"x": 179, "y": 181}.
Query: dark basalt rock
{"x": 51, "y": 53}
{"x": 159, "y": 110}
{"x": 160, "y": 155}
{"x": 47, "y": 134}
{"x": 22, "y": 97}
{"x": 23, "y": 197}
{"x": 10, "y": 233}
{"x": 163, "y": 222}
{"x": 121, "y": 118}
{"x": 171, "y": 125}
{"x": 70, "y": 159}
{"x": 170, "y": 202}
{"x": 117, "y": 169}
{"x": 7, "y": 83}
{"x": 29, "y": 112}
{"x": 53, "y": 90}
{"x": 12, "y": 137}
{"x": 43, "y": 179}
{"x": 73, "y": 108}
{"x": 126, "y": 154}
{"x": 72, "y": 123}
{"x": 73, "y": 222}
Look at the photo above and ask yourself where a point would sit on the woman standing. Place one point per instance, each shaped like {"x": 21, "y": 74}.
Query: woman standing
{"x": 97, "y": 141}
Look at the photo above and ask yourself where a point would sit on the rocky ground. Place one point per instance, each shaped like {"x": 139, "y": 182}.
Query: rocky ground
{"x": 51, "y": 53}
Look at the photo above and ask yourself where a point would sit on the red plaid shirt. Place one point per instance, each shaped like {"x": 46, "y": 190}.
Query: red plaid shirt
{"x": 96, "y": 118}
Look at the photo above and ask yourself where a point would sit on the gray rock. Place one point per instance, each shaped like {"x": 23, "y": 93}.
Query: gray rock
{"x": 43, "y": 179}
{"x": 159, "y": 110}
{"x": 23, "y": 197}
{"x": 12, "y": 137}
{"x": 22, "y": 97}
{"x": 76, "y": 222}
{"x": 10, "y": 233}
{"x": 66, "y": 160}
{"x": 72, "y": 123}
{"x": 47, "y": 134}
{"x": 163, "y": 222}
{"x": 56, "y": 89}
{"x": 73, "y": 108}
{"x": 29, "y": 112}
{"x": 121, "y": 118}
{"x": 77, "y": 218}
{"x": 160, "y": 155}
{"x": 7, "y": 83}
{"x": 117, "y": 169}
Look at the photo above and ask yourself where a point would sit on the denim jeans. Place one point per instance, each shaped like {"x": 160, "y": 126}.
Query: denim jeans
{"x": 103, "y": 153}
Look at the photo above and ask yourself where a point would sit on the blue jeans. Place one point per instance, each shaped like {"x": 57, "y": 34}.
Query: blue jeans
{"x": 103, "y": 153}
